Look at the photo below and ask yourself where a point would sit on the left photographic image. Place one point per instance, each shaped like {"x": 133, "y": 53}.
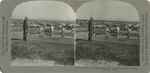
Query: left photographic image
{"x": 42, "y": 34}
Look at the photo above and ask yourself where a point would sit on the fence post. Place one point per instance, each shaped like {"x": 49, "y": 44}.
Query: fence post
{"x": 90, "y": 29}
{"x": 24, "y": 29}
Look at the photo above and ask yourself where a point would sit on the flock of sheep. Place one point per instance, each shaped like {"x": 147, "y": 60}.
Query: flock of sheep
{"x": 110, "y": 27}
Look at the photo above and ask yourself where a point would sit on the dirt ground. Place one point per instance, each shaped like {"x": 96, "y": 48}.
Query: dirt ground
{"x": 36, "y": 62}
{"x": 87, "y": 62}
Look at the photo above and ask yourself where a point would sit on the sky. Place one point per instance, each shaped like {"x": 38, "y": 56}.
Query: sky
{"x": 44, "y": 10}
{"x": 54, "y": 10}
{"x": 108, "y": 10}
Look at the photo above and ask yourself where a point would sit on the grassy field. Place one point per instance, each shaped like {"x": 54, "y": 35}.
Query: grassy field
{"x": 42, "y": 47}
{"x": 125, "y": 54}
{"x": 119, "y": 50}
{"x": 61, "y": 53}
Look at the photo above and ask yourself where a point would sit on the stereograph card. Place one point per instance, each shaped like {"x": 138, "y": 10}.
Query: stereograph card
{"x": 74, "y": 36}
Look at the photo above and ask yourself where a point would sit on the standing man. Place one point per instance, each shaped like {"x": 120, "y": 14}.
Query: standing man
{"x": 90, "y": 29}
{"x": 25, "y": 28}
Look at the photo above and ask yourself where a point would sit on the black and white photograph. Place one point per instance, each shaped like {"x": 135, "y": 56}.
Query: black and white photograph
{"x": 52, "y": 33}
{"x": 42, "y": 34}
{"x": 108, "y": 34}
{"x": 74, "y": 36}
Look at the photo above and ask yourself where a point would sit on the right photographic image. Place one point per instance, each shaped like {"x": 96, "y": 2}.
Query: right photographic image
{"x": 108, "y": 34}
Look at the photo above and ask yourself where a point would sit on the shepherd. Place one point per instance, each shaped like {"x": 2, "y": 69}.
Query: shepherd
{"x": 25, "y": 28}
{"x": 90, "y": 29}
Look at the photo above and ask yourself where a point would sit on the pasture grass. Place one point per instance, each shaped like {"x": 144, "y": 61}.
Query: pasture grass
{"x": 61, "y": 53}
{"x": 125, "y": 54}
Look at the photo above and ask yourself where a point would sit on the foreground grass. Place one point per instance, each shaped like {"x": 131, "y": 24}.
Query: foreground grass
{"x": 125, "y": 54}
{"x": 61, "y": 53}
